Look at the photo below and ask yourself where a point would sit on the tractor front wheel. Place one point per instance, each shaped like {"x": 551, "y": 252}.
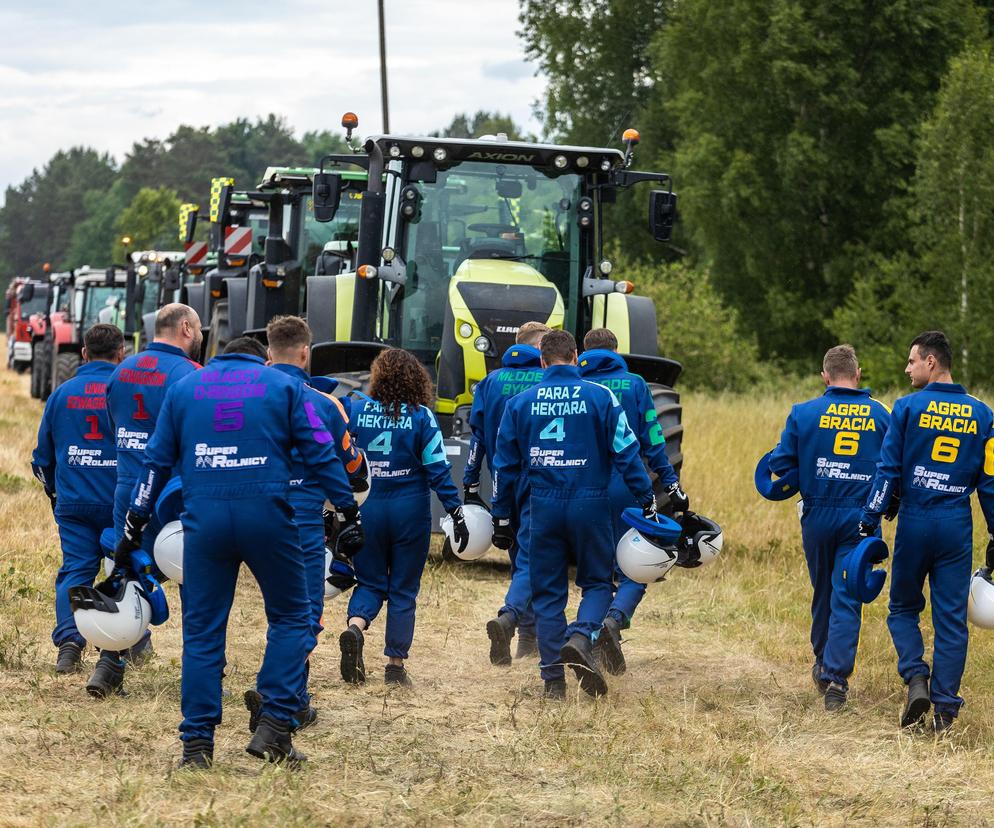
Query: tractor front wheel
{"x": 65, "y": 368}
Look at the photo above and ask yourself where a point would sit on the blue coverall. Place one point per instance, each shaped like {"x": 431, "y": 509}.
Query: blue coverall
{"x": 76, "y": 460}
{"x": 610, "y": 370}
{"x": 940, "y": 448}
{"x": 564, "y": 435}
{"x": 307, "y": 498}
{"x": 834, "y": 442}
{"x": 231, "y": 427}
{"x": 521, "y": 368}
{"x": 406, "y": 456}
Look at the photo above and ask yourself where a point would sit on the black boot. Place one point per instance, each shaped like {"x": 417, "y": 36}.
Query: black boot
{"x": 835, "y": 697}
{"x": 607, "y": 647}
{"x": 578, "y": 654}
{"x": 397, "y": 674}
{"x": 68, "y": 661}
{"x": 198, "y": 754}
{"x": 942, "y": 722}
{"x": 304, "y": 718}
{"x": 253, "y": 703}
{"x": 107, "y": 678}
{"x": 555, "y": 689}
{"x": 527, "y": 644}
{"x": 820, "y": 683}
{"x": 350, "y": 643}
{"x": 918, "y": 702}
{"x": 501, "y": 631}
{"x": 272, "y": 742}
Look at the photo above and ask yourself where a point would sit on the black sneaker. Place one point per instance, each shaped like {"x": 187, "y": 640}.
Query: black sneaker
{"x": 555, "y": 689}
{"x": 578, "y": 654}
{"x": 350, "y": 642}
{"x": 607, "y": 647}
{"x": 835, "y": 697}
{"x": 253, "y": 703}
{"x": 305, "y": 718}
{"x": 918, "y": 702}
{"x": 272, "y": 742}
{"x": 820, "y": 683}
{"x": 500, "y": 630}
{"x": 942, "y": 722}
{"x": 107, "y": 678}
{"x": 68, "y": 661}
{"x": 527, "y": 644}
{"x": 198, "y": 754}
{"x": 397, "y": 674}
{"x": 140, "y": 654}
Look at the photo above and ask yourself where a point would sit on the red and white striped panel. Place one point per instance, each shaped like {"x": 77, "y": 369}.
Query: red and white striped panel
{"x": 237, "y": 241}
{"x": 196, "y": 253}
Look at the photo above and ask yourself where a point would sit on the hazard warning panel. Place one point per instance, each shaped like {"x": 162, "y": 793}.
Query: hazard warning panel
{"x": 196, "y": 254}
{"x": 237, "y": 241}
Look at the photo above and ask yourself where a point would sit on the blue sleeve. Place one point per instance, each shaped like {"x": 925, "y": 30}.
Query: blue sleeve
{"x": 785, "y": 455}
{"x": 436, "y": 464}
{"x": 471, "y": 474}
{"x": 625, "y": 452}
{"x": 888, "y": 467}
{"x": 650, "y": 436}
{"x": 161, "y": 455}
{"x": 310, "y": 436}
{"x": 507, "y": 464}
{"x": 43, "y": 458}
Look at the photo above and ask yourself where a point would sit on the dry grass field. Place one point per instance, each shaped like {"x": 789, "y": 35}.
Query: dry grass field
{"x": 716, "y": 723}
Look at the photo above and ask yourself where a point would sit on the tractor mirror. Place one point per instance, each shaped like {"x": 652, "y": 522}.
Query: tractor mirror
{"x": 26, "y": 293}
{"x": 109, "y": 275}
{"x": 191, "y": 227}
{"x": 224, "y": 205}
{"x": 171, "y": 279}
{"x": 662, "y": 214}
{"x": 327, "y": 195}
{"x": 509, "y": 188}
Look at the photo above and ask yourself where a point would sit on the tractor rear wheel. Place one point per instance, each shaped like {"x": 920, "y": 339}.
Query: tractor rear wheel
{"x": 36, "y": 356}
{"x": 65, "y": 368}
{"x": 220, "y": 334}
{"x": 669, "y": 413}
{"x": 45, "y": 371}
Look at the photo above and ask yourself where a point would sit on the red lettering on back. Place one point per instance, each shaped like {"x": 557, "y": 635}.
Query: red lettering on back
{"x": 147, "y": 362}
{"x": 88, "y": 403}
{"x": 140, "y": 378}
{"x": 95, "y": 388}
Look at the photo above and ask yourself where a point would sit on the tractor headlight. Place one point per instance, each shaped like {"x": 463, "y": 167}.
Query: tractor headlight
{"x": 465, "y": 330}
{"x": 482, "y": 344}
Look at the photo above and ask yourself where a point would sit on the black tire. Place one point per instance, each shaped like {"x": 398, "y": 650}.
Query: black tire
{"x": 65, "y": 368}
{"x": 669, "y": 412}
{"x": 36, "y": 352}
{"x": 220, "y": 334}
{"x": 45, "y": 371}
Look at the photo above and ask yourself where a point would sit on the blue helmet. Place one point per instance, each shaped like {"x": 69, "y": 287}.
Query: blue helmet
{"x": 863, "y": 582}
{"x": 662, "y": 531}
{"x": 782, "y": 488}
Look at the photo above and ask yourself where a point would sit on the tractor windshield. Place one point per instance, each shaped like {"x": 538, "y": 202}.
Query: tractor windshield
{"x": 478, "y": 210}
{"x": 35, "y": 305}
{"x": 102, "y": 304}
{"x": 150, "y": 297}
{"x": 337, "y": 238}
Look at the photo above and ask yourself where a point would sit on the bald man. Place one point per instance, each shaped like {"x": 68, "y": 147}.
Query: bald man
{"x": 135, "y": 394}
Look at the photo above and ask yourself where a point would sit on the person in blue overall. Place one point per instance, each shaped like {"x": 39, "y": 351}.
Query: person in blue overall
{"x": 397, "y": 431}
{"x": 289, "y": 341}
{"x": 76, "y": 462}
{"x": 231, "y": 427}
{"x": 833, "y": 441}
{"x": 521, "y": 368}
{"x": 135, "y": 395}
{"x": 601, "y": 363}
{"x": 565, "y": 435}
{"x": 939, "y": 449}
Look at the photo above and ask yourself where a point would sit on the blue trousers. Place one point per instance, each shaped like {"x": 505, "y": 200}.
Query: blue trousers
{"x": 519, "y": 592}
{"x": 829, "y": 535}
{"x": 388, "y": 568}
{"x": 567, "y": 526}
{"x": 79, "y": 535}
{"x": 938, "y": 545}
{"x": 628, "y": 594}
{"x": 218, "y": 536}
{"x": 308, "y": 515}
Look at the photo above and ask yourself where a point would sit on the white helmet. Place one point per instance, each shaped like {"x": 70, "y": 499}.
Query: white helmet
{"x": 114, "y": 615}
{"x": 108, "y": 566}
{"x": 980, "y": 606}
{"x": 642, "y": 560}
{"x": 481, "y": 532}
{"x": 700, "y": 541}
{"x": 168, "y": 551}
{"x": 338, "y": 575}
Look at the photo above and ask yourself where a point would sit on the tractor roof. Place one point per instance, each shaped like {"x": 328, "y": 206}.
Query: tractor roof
{"x": 289, "y": 177}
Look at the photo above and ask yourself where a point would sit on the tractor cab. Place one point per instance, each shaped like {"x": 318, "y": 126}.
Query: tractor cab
{"x": 154, "y": 280}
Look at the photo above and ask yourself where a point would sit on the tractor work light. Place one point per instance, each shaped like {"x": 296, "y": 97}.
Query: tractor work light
{"x": 394, "y": 151}
{"x": 439, "y": 154}
{"x": 388, "y": 254}
{"x": 623, "y": 287}
{"x": 582, "y": 162}
{"x": 560, "y": 162}
{"x": 605, "y": 164}
{"x": 585, "y": 212}
{"x": 606, "y": 268}
{"x": 408, "y": 210}
{"x": 143, "y": 270}
{"x": 417, "y": 152}
{"x": 465, "y": 330}
{"x": 482, "y": 344}
{"x": 367, "y": 272}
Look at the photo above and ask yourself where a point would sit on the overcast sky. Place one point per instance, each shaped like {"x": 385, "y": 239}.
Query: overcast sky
{"x": 106, "y": 74}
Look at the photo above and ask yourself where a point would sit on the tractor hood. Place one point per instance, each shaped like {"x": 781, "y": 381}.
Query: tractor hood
{"x": 599, "y": 361}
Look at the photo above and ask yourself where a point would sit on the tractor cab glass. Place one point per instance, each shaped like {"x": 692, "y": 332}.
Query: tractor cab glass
{"x": 487, "y": 222}
{"x": 328, "y": 247}
{"x": 36, "y": 304}
{"x": 100, "y": 303}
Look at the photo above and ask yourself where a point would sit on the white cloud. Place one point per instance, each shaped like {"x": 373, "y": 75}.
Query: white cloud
{"x": 108, "y": 76}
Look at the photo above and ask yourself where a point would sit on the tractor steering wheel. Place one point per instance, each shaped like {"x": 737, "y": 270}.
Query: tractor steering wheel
{"x": 493, "y": 230}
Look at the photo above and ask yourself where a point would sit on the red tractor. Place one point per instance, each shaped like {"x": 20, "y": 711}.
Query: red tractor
{"x": 54, "y": 312}
{"x": 24, "y": 298}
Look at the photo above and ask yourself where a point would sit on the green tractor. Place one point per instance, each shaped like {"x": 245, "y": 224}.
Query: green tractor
{"x": 154, "y": 280}
{"x": 461, "y": 242}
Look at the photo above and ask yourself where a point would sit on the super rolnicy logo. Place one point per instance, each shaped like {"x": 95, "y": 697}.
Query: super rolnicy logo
{"x": 554, "y": 457}
{"x": 935, "y": 481}
{"x": 92, "y": 458}
{"x": 838, "y": 470}
{"x": 224, "y": 457}
{"x": 135, "y": 440}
